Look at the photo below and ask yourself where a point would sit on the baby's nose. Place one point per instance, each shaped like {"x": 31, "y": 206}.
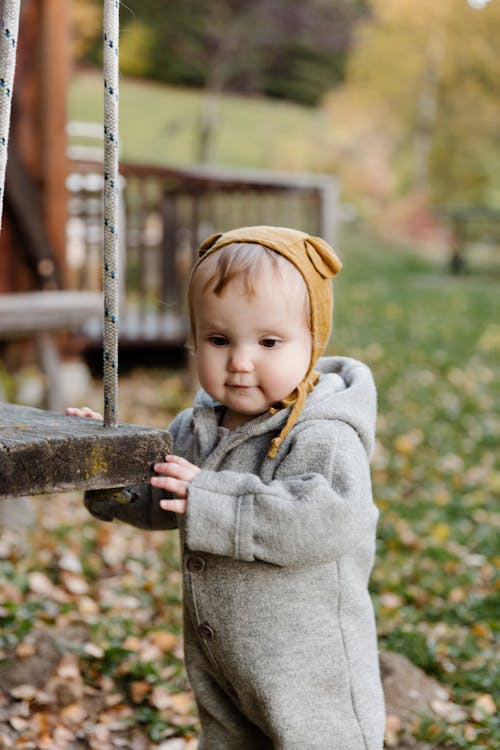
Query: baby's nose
{"x": 240, "y": 360}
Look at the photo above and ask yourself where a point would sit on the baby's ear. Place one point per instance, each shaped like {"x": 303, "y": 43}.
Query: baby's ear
{"x": 323, "y": 257}
{"x": 207, "y": 244}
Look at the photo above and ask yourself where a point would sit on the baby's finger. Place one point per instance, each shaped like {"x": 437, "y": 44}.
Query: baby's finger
{"x": 82, "y": 411}
{"x": 177, "y": 460}
{"x": 170, "y": 469}
{"x": 179, "y": 468}
{"x": 177, "y": 506}
{"x": 87, "y": 412}
{"x": 177, "y": 486}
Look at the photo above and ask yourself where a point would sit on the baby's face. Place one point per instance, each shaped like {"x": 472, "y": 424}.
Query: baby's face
{"x": 252, "y": 351}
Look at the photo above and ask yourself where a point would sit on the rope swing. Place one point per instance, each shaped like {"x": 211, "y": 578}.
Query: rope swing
{"x": 9, "y": 27}
{"x": 59, "y": 452}
{"x": 111, "y": 211}
{"x": 8, "y": 46}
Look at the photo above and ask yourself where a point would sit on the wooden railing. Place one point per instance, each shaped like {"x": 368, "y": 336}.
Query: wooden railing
{"x": 166, "y": 214}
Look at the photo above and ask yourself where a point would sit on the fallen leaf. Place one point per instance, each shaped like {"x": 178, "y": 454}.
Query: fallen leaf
{"x": 68, "y": 668}
{"x": 93, "y": 650}
{"x": 73, "y": 583}
{"x": 481, "y": 630}
{"x": 161, "y": 698}
{"x": 449, "y": 711}
{"x": 139, "y": 689}
{"x": 73, "y": 714}
{"x": 25, "y": 649}
{"x": 39, "y": 583}
{"x": 182, "y": 702}
{"x": 174, "y": 744}
{"x": 164, "y": 640}
{"x": 406, "y": 444}
{"x": 23, "y": 692}
{"x": 149, "y": 652}
{"x": 440, "y": 532}
{"x": 391, "y": 600}
{"x": 457, "y": 595}
{"x": 393, "y": 727}
{"x": 483, "y": 706}
{"x": 18, "y": 723}
{"x": 87, "y": 606}
{"x": 113, "y": 699}
{"x": 132, "y": 643}
{"x": 470, "y": 732}
{"x": 70, "y": 562}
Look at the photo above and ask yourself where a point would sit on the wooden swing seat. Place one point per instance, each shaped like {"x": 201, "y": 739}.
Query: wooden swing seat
{"x": 43, "y": 452}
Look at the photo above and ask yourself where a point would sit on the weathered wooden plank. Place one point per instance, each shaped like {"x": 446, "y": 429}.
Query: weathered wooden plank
{"x": 45, "y": 452}
{"x": 27, "y": 313}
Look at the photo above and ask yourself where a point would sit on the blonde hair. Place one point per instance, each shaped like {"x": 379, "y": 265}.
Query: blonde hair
{"x": 242, "y": 261}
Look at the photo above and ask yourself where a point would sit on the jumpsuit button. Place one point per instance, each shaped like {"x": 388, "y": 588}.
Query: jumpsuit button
{"x": 195, "y": 564}
{"x": 206, "y": 631}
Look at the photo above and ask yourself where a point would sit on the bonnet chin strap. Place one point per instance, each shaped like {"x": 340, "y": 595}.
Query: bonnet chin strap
{"x": 296, "y": 400}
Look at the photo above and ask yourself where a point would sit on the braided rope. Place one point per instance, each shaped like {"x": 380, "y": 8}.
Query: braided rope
{"x": 9, "y": 25}
{"x": 111, "y": 211}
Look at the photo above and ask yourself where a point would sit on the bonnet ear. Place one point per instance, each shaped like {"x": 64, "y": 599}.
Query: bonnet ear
{"x": 207, "y": 244}
{"x": 323, "y": 257}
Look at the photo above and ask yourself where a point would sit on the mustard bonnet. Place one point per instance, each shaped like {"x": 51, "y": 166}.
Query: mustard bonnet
{"x": 318, "y": 263}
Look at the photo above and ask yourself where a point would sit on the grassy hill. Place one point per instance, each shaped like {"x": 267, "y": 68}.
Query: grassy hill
{"x": 158, "y": 124}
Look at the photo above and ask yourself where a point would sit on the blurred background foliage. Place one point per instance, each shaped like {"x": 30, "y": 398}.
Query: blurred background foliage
{"x": 279, "y": 48}
{"x": 406, "y": 94}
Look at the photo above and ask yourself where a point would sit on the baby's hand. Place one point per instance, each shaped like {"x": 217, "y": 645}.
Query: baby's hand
{"x": 177, "y": 475}
{"x": 82, "y": 411}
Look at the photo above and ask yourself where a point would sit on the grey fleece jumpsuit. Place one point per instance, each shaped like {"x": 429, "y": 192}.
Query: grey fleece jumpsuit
{"x": 280, "y": 638}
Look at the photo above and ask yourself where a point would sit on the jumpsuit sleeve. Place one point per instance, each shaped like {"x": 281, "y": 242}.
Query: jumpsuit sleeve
{"x": 318, "y": 507}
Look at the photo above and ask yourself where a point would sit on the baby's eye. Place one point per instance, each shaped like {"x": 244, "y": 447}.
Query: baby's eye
{"x": 218, "y": 340}
{"x": 269, "y": 343}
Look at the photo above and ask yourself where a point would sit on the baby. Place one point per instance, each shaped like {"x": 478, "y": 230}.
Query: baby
{"x": 270, "y": 487}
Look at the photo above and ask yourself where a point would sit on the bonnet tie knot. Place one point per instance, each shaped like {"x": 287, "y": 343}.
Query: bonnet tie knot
{"x": 296, "y": 400}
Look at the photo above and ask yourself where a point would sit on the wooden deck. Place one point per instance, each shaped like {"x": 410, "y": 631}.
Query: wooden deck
{"x": 166, "y": 214}
{"x": 142, "y": 328}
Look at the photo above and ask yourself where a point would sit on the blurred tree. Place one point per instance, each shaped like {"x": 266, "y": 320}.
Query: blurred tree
{"x": 86, "y": 19}
{"x": 430, "y": 74}
{"x": 294, "y": 49}
{"x": 281, "y": 48}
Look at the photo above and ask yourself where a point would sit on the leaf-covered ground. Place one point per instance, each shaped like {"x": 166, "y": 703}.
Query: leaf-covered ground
{"x": 90, "y": 613}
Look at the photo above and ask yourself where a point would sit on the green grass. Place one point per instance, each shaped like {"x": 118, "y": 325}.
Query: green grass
{"x": 158, "y": 125}
{"x": 433, "y": 342}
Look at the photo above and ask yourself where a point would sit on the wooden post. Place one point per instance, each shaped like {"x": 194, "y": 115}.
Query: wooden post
{"x": 170, "y": 289}
{"x": 38, "y": 131}
{"x": 54, "y": 80}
